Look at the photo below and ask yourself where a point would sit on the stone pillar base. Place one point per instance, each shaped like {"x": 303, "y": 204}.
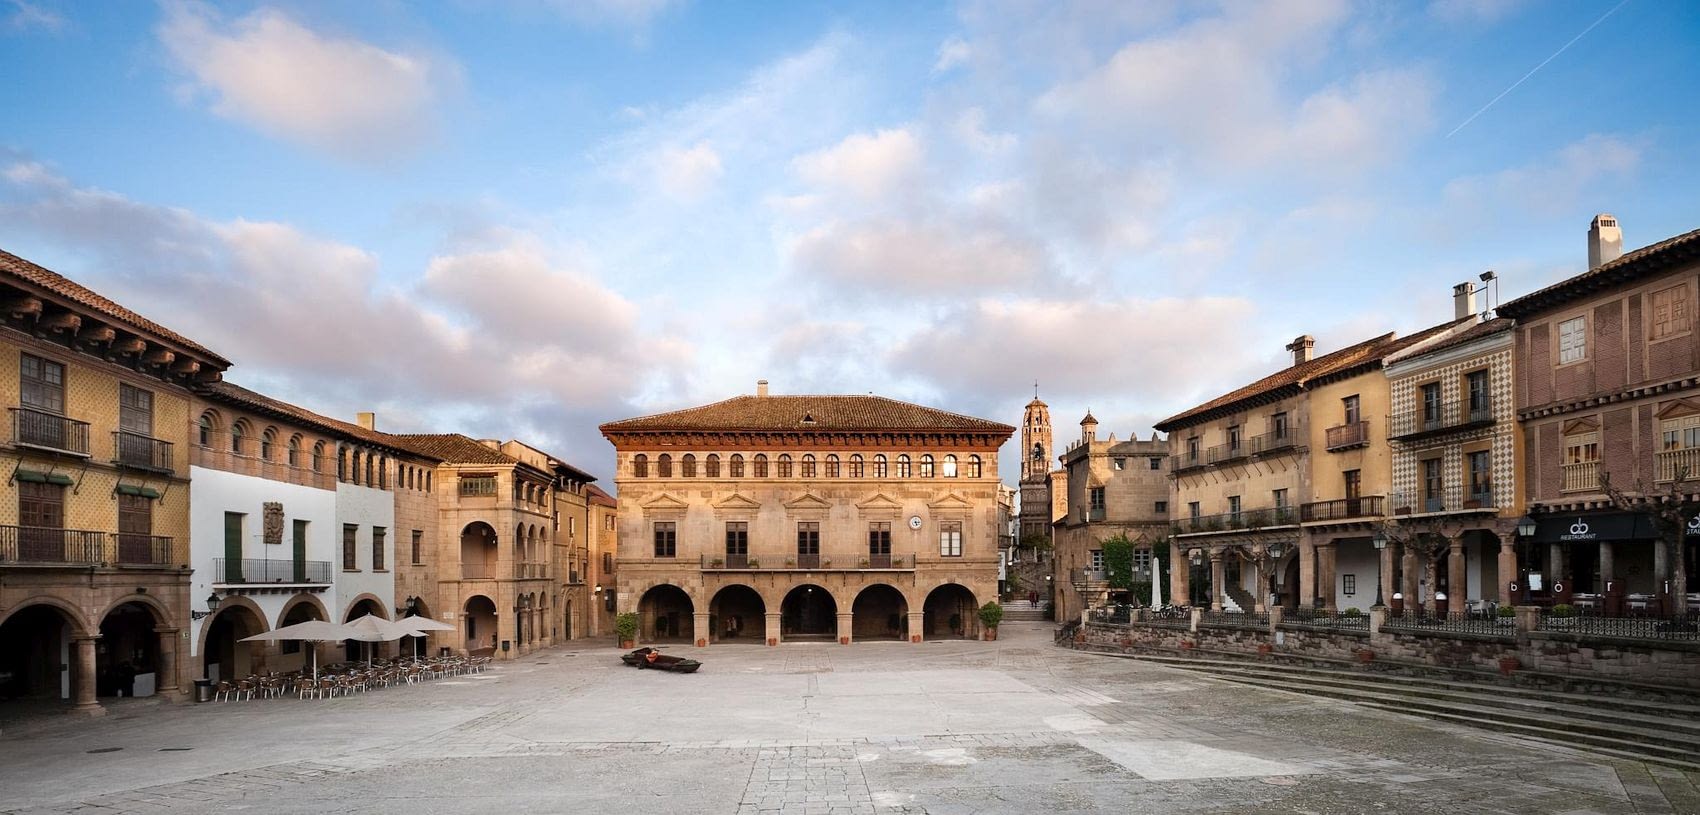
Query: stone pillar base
{"x": 916, "y": 618}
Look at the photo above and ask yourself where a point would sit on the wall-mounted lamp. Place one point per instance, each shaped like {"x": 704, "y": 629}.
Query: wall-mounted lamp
{"x": 212, "y": 606}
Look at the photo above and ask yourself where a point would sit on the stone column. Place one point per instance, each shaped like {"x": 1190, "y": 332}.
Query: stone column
{"x": 843, "y": 628}
{"x": 168, "y": 670}
{"x": 1259, "y": 601}
{"x": 916, "y": 618}
{"x": 1180, "y": 576}
{"x": 1216, "y": 580}
{"x": 1608, "y": 563}
{"x": 773, "y": 628}
{"x": 1307, "y": 572}
{"x": 82, "y": 677}
{"x": 1386, "y": 577}
{"x": 1661, "y": 565}
{"x": 1507, "y": 568}
{"x": 699, "y": 625}
{"x": 1325, "y": 581}
{"x": 1409, "y": 587}
{"x": 1457, "y": 578}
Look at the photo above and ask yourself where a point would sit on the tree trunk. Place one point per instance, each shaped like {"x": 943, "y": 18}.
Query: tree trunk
{"x": 1679, "y": 574}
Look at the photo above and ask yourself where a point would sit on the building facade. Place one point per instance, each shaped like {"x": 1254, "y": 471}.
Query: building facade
{"x": 775, "y": 518}
{"x": 1115, "y": 488}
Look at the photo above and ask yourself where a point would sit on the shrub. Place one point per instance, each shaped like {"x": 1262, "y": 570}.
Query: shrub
{"x": 626, "y": 625}
{"x": 1351, "y": 612}
{"x": 1564, "y": 610}
{"x": 1507, "y": 611}
{"x": 991, "y": 614}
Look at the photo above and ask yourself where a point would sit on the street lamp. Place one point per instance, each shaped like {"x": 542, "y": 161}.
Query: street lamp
{"x": 1526, "y": 527}
{"x": 212, "y": 606}
{"x": 1380, "y": 541}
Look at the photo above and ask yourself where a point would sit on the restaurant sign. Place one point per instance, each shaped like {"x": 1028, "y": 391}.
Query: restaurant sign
{"x": 1588, "y": 527}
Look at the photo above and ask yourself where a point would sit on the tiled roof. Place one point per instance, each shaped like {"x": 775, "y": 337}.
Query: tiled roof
{"x": 1297, "y": 376}
{"x": 1646, "y": 260}
{"x": 827, "y": 413}
{"x": 452, "y": 448}
{"x": 63, "y": 286}
{"x": 600, "y": 496}
{"x": 1476, "y": 332}
{"x": 231, "y": 393}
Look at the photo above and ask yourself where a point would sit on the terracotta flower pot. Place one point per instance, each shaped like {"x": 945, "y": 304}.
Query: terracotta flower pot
{"x": 843, "y": 640}
{"x": 991, "y": 634}
{"x": 1265, "y": 649}
{"x": 627, "y": 644}
{"x": 1366, "y": 655}
{"x": 1507, "y": 665}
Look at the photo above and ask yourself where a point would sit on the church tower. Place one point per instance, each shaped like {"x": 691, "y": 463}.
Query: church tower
{"x": 1037, "y": 461}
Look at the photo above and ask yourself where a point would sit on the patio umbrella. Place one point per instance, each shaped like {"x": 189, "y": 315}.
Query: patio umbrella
{"x": 418, "y": 626}
{"x": 372, "y": 628}
{"x": 309, "y": 631}
{"x": 1156, "y": 583}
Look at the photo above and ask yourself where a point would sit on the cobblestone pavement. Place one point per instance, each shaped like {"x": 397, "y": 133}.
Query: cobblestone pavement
{"x": 954, "y": 727}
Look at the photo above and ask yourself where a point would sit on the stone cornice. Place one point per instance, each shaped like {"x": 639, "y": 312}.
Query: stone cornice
{"x": 1624, "y": 395}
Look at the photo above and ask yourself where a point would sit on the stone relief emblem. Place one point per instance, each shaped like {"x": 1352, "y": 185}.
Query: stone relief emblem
{"x": 273, "y": 525}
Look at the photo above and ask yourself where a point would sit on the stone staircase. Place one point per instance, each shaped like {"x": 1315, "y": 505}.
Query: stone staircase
{"x": 1237, "y": 599}
{"x": 1666, "y": 731}
{"x": 1022, "y": 611}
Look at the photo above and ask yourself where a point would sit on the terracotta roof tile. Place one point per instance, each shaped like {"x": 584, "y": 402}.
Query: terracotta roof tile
{"x": 63, "y": 286}
{"x": 827, "y": 413}
{"x": 1627, "y": 267}
{"x": 1476, "y": 332}
{"x": 600, "y": 496}
{"x": 231, "y": 393}
{"x": 452, "y": 448}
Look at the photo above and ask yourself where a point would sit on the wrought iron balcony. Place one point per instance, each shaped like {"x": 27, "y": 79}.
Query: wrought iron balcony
{"x": 1237, "y": 521}
{"x": 49, "y": 431}
{"x": 1344, "y": 509}
{"x": 808, "y": 562}
{"x": 1451, "y": 500}
{"x": 1347, "y": 436}
{"x": 253, "y": 571}
{"x": 51, "y": 546}
{"x": 1442, "y": 417}
{"x": 1275, "y": 441}
{"x": 134, "y": 549}
{"x": 140, "y": 452}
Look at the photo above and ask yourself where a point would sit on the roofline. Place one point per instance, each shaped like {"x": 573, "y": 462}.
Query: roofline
{"x": 1631, "y": 266}
{"x": 324, "y": 423}
{"x": 1000, "y": 428}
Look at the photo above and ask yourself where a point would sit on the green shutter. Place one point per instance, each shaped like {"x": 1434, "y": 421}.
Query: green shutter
{"x": 31, "y": 476}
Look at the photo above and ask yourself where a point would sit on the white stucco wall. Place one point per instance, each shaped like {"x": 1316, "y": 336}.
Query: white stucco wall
{"x": 366, "y": 508}
{"x": 1357, "y": 558}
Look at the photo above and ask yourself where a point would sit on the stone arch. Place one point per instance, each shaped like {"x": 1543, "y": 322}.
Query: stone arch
{"x": 73, "y": 615}
{"x": 377, "y": 603}
{"x": 289, "y": 605}
{"x": 666, "y": 612}
{"x": 808, "y": 611}
{"x": 129, "y": 645}
{"x": 478, "y": 623}
{"x": 479, "y": 552}
{"x": 737, "y": 612}
{"x": 945, "y": 601}
{"x": 161, "y": 614}
{"x": 237, "y": 617}
{"x": 37, "y": 637}
{"x": 879, "y": 611}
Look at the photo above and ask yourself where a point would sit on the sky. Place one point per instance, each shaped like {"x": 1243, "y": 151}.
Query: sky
{"x": 523, "y": 218}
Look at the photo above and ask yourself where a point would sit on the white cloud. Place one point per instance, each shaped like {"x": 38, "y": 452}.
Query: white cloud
{"x": 1552, "y": 184}
{"x": 336, "y": 94}
{"x": 952, "y": 52}
{"x": 881, "y": 257}
{"x": 26, "y": 16}
{"x": 687, "y": 174}
{"x": 870, "y": 165}
{"x": 970, "y": 129}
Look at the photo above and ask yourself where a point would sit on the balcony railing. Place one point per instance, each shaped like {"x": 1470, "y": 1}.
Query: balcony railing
{"x": 49, "y": 431}
{"x": 1094, "y": 514}
{"x": 1342, "y": 509}
{"x": 50, "y": 546}
{"x": 254, "y": 571}
{"x": 809, "y": 562}
{"x": 1354, "y": 434}
{"x": 1453, "y": 500}
{"x": 1443, "y": 417}
{"x": 141, "y": 452}
{"x": 476, "y": 571}
{"x": 134, "y": 549}
{"x": 1186, "y": 460}
{"x": 1274, "y": 441}
{"x": 1583, "y": 476}
{"x": 1674, "y": 465}
{"x": 1244, "y": 519}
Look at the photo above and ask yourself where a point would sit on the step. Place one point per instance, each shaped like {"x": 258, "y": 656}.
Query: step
{"x": 1681, "y": 758}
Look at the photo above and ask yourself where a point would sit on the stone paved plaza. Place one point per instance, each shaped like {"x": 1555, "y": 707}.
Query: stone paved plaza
{"x": 954, "y": 727}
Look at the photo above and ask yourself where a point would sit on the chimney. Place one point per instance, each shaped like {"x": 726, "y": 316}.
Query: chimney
{"x": 1605, "y": 241}
{"x": 1302, "y": 347}
{"x": 367, "y": 420}
{"x": 1463, "y": 300}
{"x": 493, "y": 444}
{"x": 761, "y": 387}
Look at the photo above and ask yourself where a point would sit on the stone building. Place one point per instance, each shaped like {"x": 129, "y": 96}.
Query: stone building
{"x": 1606, "y": 386}
{"x": 94, "y": 529}
{"x": 1113, "y": 488}
{"x": 770, "y": 518}
{"x": 604, "y": 513}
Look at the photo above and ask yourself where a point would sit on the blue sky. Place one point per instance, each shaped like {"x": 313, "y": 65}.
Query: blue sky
{"x": 522, "y": 218}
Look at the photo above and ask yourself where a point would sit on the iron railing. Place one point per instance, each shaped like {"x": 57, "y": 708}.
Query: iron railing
{"x": 1342, "y": 509}
{"x": 1454, "y": 415}
{"x": 1343, "y": 436}
{"x": 1275, "y": 441}
{"x": 810, "y": 562}
{"x": 252, "y": 571}
{"x": 1317, "y": 619}
{"x": 135, "y": 549}
{"x": 141, "y": 452}
{"x": 1234, "y": 619}
{"x": 1453, "y": 500}
{"x": 1423, "y": 621}
{"x": 1244, "y": 519}
{"x": 51, "y": 546}
{"x": 1111, "y": 615}
{"x": 1631, "y": 626}
{"x": 49, "y": 431}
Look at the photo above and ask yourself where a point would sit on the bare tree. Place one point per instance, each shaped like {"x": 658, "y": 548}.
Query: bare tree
{"x": 1672, "y": 509}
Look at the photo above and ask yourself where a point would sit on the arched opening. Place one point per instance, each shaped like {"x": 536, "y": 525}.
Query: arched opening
{"x": 478, "y": 551}
{"x": 34, "y": 642}
{"x": 950, "y": 612}
{"x": 420, "y": 644}
{"x": 480, "y": 625}
{"x": 737, "y": 614}
{"x": 664, "y": 615}
{"x": 295, "y": 655}
{"x": 1290, "y": 585}
{"x": 126, "y": 658}
{"x": 225, "y": 657}
{"x": 879, "y": 613}
{"x": 352, "y": 649}
{"x": 567, "y": 622}
{"x": 808, "y": 612}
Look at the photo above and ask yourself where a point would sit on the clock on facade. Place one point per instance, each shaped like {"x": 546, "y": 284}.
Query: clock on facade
{"x": 914, "y": 522}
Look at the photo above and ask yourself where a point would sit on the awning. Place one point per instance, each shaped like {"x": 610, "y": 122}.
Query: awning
{"x": 1592, "y": 527}
{"x": 145, "y": 492}
{"x": 32, "y": 476}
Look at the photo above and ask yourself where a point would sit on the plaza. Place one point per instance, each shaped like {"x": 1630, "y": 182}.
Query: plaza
{"x": 1016, "y": 725}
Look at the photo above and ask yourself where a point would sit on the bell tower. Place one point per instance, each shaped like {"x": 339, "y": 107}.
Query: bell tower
{"x": 1036, "y": 441}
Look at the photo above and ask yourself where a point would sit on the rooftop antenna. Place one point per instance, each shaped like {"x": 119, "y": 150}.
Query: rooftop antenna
{"x": 1035, "y": 389}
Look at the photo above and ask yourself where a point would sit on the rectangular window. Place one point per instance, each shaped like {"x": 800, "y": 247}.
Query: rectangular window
{"x": 1476, "y": 382}
{"x": 1349, "y": 406}
{"x": 1348, "y": 584}
{"x": 135, "y": 529}
{"x": 43, "y": 384}
{"x": 478, "y": 485}
{"x": 737, "y": 538}
{"x": 879, "y": 538}
{"x": 41, "y": 514}
{"x": 378, "y": 535}
{"x": 808, "y": 538}
{"x": 1233, "y": 439}
{"x": 1354, "y": 484}
{"x": 832, "y": 466}
{"x": 1581, "y": 448}
{"x": 1096, "y": 498}
{"x": 135, "y": 410}
{"x": 1192, "y": 510}
{"x": 350, "y": 547}
{"x": 1234, "y": 507}
{"x": 1434, "y": 491}
{"x": 1142, "y": 560}
{"x": 1097, "y": 560}
{"x": 1670, "y": 311}
{"x": 1431, "y": 403}
{"x": 1192, "y": 449}
{"x": 1481, "y": 476}
{"x": 1280, "y": 496}
{"x": 1161, "y": 507}
{"x": 1278, "y": 425}
{"x": 1156, "y": 463}
{"x": 1680, "y": 434}
{"x": 1572, "y": 340}
{"x": 950, "y": 539}
{"x": 418, "y": 548}
{"x": 1118, "y": 463}
{"x": 666, "y": 539}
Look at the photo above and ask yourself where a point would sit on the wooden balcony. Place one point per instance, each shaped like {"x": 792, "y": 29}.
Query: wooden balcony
{"x": 1583, "y": 476}
{"x": 1344, "y": 509}
{"x": 1347, "y": 436}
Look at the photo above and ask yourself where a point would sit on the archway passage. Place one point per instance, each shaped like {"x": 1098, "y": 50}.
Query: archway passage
{"x": 127, "y": 656}
{"x": 480, "y": 620}
{"x": 356, "y": 651}
{"x": 34, "y": 642}
{"x": 420, "y": 645}
{"x": 737, "y": 614}
{"x": 295, "y": 654}
{"x": 665, "y": 615}
{"x": 225, "y": 657}
{"x": 879, "y": 613}
{"x": 808, "y": 612}
{"x": 478, "y": 554}
{"x": 950, "y": 613}
{"x": 1290, "y": 585}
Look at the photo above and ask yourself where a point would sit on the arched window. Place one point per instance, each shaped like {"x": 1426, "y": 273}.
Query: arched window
{"x": 318, "y": 455}
{"x": 206, "y": 429}
{"x": 856, "y": 465}
{"x": 267, "y": 439}
{"x": 688, "y": 465}
{"x": 293, "y": 454}
{"x": 879, "y": 466}
{"x": 784, "y": 465}
{"x": 760, "y": 465}
{"x": 640, "y": 466}
{"x": 808, "y": 465}
{"x": 927, "y": 465}
{"x": 904, "y": 470}
{"x": 370, "y": 465}
{"x": 831, "y": 465}
{"x": 664, "y": 466}
{"x": 736, "y": 465}
{"x": 383, "y": 472}
{"x": 238, "y": 434}
{"x": 353, "y": 466}
{"x": 949, "y": 468}
{"x": 427, "y": 482}
{"x": 973, "y": 466}
{"x": 341, "y": 463}
{"x": 711, "y": 465}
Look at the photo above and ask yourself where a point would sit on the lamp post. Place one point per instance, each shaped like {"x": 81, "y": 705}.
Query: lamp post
{"x": 1272, "y": 555}
{"x": 1196, "y": 556}
{"x": 1525, "y": 531}
{"x": 212, "y": 606}
{"x": 1380, "y": 541}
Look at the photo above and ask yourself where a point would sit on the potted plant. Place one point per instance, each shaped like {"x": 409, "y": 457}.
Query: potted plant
{"x": 790, "y": 562}
{"x": 826, "y": 564}
{"x": 755, "y": 564}
{"x": 1507, "y": 615}
{"x": 990, "y": 615}
{"x": 864, "y": 563}
{"x": 1559, "y": 616}
{"x": 1508, "y": 664}
{"x": 716, "y": 563}
{"x": 1351, "y": 612}
{"x": 626, "y": 628}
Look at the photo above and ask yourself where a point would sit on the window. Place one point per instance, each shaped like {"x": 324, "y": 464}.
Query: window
{"x": 759, "y": 465}
{"x": 879, "y": 466}
{"x": 736, "y": 465}
{"x": 903, "y": 467}
{"x": 1670, "y": 311}
{"x": 664, "y": 466}
{"x": 832, "y": 465}
{"x": 293, "y": 454}
{"x": 1161, "y": 507}
{"x": 808, "y": 469}
{"x": 1581, "y": 448}
{"x": 1280, "y": 496}
{"x": 1480, "y": 466}
{"x": 927, "y": 466}
{"x": 1434, "y": 491}
{"x": 1476, "y": 383}
{"x": 974, "y": 467}
{"x": 1348, "y": 584}
{"x": 43, "y": 384}
{"x": 950, "y": 539}
{"x": 711, "y": 465}
{"x": 1192, "y": 510}
{"x": 1095, "y": 497}
{"x": 1349, "y": 406}
{"x": 1278, "y": 425}
{"x": 1234, "y": 506}
{"x": 784, "y": 465}
{"x": 1354, "y": 483}
{"x": 808, "y": 538}
{"x": 1118, "y": 463}
{"x": 205, "y": 430}
{"x": 879, "y": 538}
{"x": 1233, "y": 439}
{"x": 666, "y": 539}
{"x": 135, "y": 410}
{"x": 1156, "y": 462}
{"x": 948, "y": 467}
{"x": 688, "y": 466}
{"x": 1431, "y": 404}
{"x": 1142, "y": 560}
{"x": 1097, "y": 560}
{"x": 738, "y": 538}
{"x": 371, "y": 465}
{"x": 1572, "y": 340}
{"x": 318, "y": 455}
{"x": 42, "y": 506}
{"x": 640, "y": 466}
{"x": 478, "y": 485}
{"x": 418, "y": 548}
{"x": 1192, "y": 449}
{"x": 856, "y": 466}
{"x": 378, "y": 535}
{"x": 268, "y": 439}
{"x": 350, "y": 547}
{"x": 238, "y": 432}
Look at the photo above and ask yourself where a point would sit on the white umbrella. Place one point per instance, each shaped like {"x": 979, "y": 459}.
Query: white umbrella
{"x": 420, "y": 625}
{"x": 1156, "y": 583}
{"x": 372, "y": 628}
{"x": 309, "y": 631}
